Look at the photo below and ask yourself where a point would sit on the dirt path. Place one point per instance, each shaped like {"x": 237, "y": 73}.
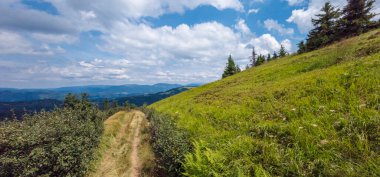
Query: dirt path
{"x": 135, "y": 162}
{"x": 121, "y": 145}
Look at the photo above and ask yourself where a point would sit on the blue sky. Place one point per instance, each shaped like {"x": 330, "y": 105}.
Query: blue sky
{"x": 53, "y": 43}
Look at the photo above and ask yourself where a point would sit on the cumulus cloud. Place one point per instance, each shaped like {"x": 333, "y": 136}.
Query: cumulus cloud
{"x": 253, "y": 11}
{"x": 295, "y": 2}
{"x": 183, "y": 53}
{"x": 14, "y": 43}
{"x": 271, "y": 25}
{"x": 266, "y": 44}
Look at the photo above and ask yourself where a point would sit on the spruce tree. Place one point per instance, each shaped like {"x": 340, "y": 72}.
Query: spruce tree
{"x": 282, "y": 52}
{"x": 325, "y": 27}
{"x": 106, "y": 104}
{"x": 230, "y": 68}
{"x": 301, "y": 47}
{"x": 260, "y": 60}
{"x": 269, "y": 57}
{"x": 71, "y": 101}
{"x": 238, "y": 70}
{"x": 357, "y": 17}
{"x": 253, "y": 57}
{"x": 275, "y": 56}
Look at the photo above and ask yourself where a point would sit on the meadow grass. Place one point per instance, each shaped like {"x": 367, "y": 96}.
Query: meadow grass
{"x": 314, "y": 114}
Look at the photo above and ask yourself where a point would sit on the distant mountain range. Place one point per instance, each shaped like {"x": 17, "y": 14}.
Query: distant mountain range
{"x": 95, "y": 92}
{"x": 148, "y": 99}
{"x": 23, "y": 101}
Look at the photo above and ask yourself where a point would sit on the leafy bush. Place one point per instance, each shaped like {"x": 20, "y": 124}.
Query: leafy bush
{"x": 170, "y": 144}
{"x": 57, "y": 143}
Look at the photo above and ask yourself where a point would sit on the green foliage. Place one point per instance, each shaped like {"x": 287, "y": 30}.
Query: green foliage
{"x": 275, "y": 56}
{"x": 70, "y": 101}
{"x": 260, "y": 60}
{"x": 231, "y": 68}
{"x": 269, "y": 57}
{"x": 314, "y": 114}
{"x": 333, "y": 24}
{"x": 57, "y": 143}
{"x": 170, "y": 144}
{"x": 357, "y": 16}
{"x": 282, "y": 52}
{"x": 253, "y": 57}
{"x": 325, "y": 31}
{"x": 301, "y": 47}
{"x": 106, "y": 104}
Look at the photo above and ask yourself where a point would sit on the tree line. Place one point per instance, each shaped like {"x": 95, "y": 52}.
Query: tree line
{"x": 255, "y": 60}
{"x": 333, "y": 24}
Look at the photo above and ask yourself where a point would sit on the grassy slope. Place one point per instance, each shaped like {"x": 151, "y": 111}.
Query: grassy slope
{"x": 310, "y": 114}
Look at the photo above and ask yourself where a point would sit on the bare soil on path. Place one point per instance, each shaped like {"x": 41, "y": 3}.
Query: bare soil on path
{"x": 124, "y": 148}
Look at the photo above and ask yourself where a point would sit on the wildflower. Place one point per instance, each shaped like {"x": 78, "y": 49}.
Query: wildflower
{"x": 314, "y": 125}
{"x": 323, "y": 142}
{"x": 294, "y": 109}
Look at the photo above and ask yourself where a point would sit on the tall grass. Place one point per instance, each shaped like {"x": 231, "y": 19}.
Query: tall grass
{"x": 315, "y": 114}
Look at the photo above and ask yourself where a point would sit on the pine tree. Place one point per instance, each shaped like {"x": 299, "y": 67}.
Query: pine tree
{"x": 246, "y": 67}
{"x": 269, "y": 57}
{"x": 230, "y": 68}
{"x": 282, "y": 52}
{"x": 106, "y": 104}
{"x": 85, "y": 103}
{"x": 253, "y": 57}
{"x": 325, "y": 27}
{"x": 275, "y": 56}
{"x": 301, "y": 47}
{"x": 238, "y": 70}
{"x": 71, "y": 101}
{"x": 260, "y": 60}
{"x": 115, "y": 104}
{"x": 357, "y": 17}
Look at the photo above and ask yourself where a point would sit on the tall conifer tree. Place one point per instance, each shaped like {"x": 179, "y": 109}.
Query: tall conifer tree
{"x": 325, "y": 27}
{"x": 357, "y": 17}
{"x": 231, "y": 68}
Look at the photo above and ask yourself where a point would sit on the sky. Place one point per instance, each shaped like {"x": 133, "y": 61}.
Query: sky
{"x": 55, "y": 43}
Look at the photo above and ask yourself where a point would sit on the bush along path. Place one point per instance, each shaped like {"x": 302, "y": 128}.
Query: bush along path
{"x": 124, "y": 149}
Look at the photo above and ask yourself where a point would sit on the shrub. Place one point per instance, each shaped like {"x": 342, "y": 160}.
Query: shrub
{"x": 170, "y": 144}
{"x": 57, "y": 143}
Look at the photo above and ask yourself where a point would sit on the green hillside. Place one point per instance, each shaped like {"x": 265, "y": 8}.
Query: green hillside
{"x": 315, "y": 114}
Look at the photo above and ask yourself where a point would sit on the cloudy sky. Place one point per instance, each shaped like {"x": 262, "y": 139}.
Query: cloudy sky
{"x": 53, "y": 43}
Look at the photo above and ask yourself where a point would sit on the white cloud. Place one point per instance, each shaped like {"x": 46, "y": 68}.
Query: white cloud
{"x": 295, "y": 2}
{"x": 14, "y": 43}
{"x": 271, "y": 24}
{"x": 266, "y": 44}
{"x": 108, "y": 10}
{"x": 243, "y": 29}
{"x": 253, "y": 11}
{"x": 287, "y": 45}
{"x": 149, "y": 54}
{"x": 183, "y": 54}
{"x": 54, "y": 38}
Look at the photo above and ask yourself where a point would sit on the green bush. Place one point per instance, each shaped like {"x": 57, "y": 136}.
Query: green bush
{"x": 57, "y": 143}
{"x": 170, "y": 144}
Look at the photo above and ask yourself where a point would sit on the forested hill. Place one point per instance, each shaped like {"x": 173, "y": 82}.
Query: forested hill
{"x": 313, "y": 114}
